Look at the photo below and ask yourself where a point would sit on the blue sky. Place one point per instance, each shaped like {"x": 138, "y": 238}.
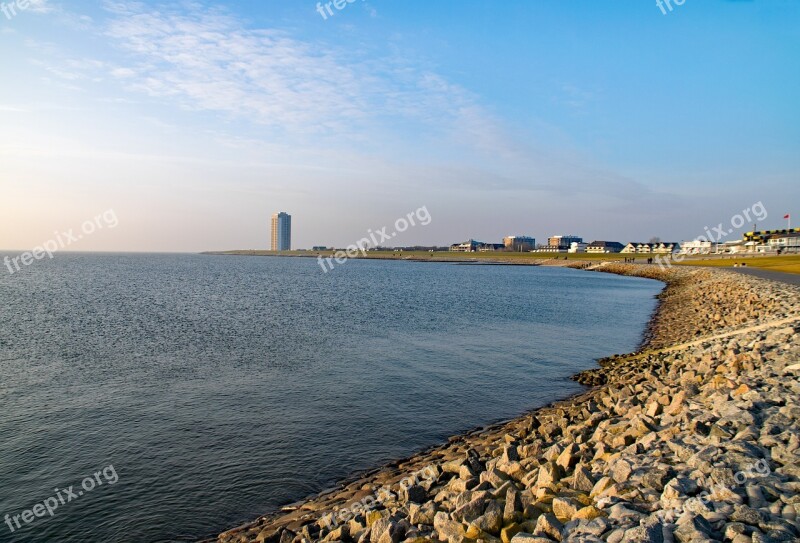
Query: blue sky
{"x": 195, "y": 121}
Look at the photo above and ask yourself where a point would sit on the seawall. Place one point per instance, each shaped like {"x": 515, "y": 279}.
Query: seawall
{"x": 694, "y": 437}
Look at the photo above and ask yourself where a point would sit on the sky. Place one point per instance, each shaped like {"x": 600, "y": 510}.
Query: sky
{"x": 191, "y": 123}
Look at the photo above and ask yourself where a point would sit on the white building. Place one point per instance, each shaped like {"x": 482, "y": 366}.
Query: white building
{"x": 604, "y": 247}
{"x": 784, "y": 242}
{"x": 665, "y": 247}
{"x": 737, "y": 246}
{"x": 696, "y": 247}
{"x": 577, "y": 247}
{"x": 629, "y": 248}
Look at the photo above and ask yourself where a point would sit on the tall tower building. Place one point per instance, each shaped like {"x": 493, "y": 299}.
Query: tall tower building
{"x": 281, "y": 232}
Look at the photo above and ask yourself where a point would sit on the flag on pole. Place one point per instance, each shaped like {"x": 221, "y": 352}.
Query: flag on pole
{"x": 786, "y": 216}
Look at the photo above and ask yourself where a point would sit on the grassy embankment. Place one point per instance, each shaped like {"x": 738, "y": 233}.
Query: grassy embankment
{"x": 784, "y": 263}
{"x": 499, "y": 256}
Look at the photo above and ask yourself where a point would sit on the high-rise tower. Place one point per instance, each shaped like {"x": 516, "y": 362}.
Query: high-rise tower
{"x": 281, "y": 232}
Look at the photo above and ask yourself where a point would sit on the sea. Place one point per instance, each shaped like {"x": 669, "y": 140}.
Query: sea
{"x": 170, "y": 397}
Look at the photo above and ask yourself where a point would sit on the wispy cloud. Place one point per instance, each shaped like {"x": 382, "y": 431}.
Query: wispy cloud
{"x": 207, "y": 59}
{"x": 575, "y": 97}
{"x": 41, "y": 6}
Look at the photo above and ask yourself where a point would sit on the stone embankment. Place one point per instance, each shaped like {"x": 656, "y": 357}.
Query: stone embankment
{"x": 694, "y": 438}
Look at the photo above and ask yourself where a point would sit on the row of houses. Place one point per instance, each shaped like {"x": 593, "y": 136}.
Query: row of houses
{"x": 563, "y": 244}
{"x": 661, "y": 247}
{"x": 769, "y": 241}
{"x": 756, "y": 242}
{"x": 577, "y": 245}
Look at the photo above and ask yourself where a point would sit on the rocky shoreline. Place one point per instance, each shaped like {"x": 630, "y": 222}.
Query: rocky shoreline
{"x": 695, "y": 437}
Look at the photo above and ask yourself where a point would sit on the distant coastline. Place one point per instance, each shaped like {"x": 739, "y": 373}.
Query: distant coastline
{"x": 528, "y": 259}
{"x": 783, "y": 263}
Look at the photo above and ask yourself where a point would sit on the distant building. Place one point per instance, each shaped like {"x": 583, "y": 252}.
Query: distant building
{"x": 472, "y": 246}
{"x": 738, "y": 246}
{"x": 519, "y": 243}
{"x": 604, "y": 247}
{"x": 784, "y": 243}
{"x": 469, "y": 246}
{"x": 281, "y": 232}
{"x": 664, "y": 247}
{"x": 548, "y": 249}
{"x": 488, "y": 247}
{"x": 648, "y": 248}
{"x": 640, "y": 248}
{"x": 767, "y": 241}
{"x": 630, "y": 248}
{"x": 762, "y": 236}
{"x": 577, "y": 247}
{"x": 563, "y": 242}
{"x": 696, "y": 247}
{"x": 319, "y": 248}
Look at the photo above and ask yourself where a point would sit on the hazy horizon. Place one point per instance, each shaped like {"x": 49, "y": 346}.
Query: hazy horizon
{"x": 196, "y": 121}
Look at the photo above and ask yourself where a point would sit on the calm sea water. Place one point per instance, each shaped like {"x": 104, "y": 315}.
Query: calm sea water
{"x": 222, "y": 387}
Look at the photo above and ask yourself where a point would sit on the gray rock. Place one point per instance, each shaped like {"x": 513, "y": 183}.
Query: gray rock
{"x": 470, "y": 511}
{"x": 595, "y": 527}
{"x": 549, "y": 526}
{"x": 622, "y": 514}
{"x": 565, "y": 508}
{"x": 694, "y": 527}
{"x": 747, "y": 515}
{"x": 621, "y": 471}
{"x": 522, "y": 537}
{"x": 448, "y": 530}
{"x": 582, "y": 479}
{"x": 513, "y": 506}
{"x": 649, "y": 531}
{"x": 549, "y": 474}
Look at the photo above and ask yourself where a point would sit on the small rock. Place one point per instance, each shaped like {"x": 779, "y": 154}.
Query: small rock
{"x": 548, "y": 525}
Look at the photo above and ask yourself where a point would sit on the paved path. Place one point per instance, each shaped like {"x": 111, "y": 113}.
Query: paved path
{"x": 731, "y": 333}
{"x": 790, "y": 278}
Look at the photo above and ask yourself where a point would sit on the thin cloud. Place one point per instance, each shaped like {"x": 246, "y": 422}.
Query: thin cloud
{"x": 207, "y": 59}
{"x": 41, "y": 6}
{"x": 203, "y": 58}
